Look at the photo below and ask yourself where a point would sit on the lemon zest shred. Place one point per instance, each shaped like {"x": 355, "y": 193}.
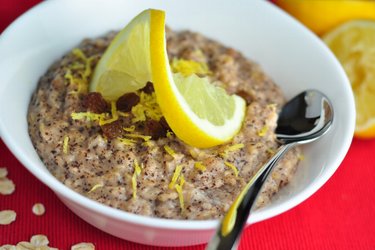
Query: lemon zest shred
{"x": 134, "y": 185}
{"x": 231, "y": 148}
{"x": 123, "y": 114}
{"x": 66, "y": 144}
{"x": 182, "y": 180}
{"x": 189, "y": 67}
{"x": 137, "y": 172}
{"x": 272, "y": 105}
{"x": 77, "y": 52}
{"x": 146, "y": 108}
{"x": 137, "y": 167}
{"x": 129, "y": 129}
{"x": 147, "y": 143}
{"x": 270, "y": 151}
{"x": 175, "y": 176}
{"x": 88, "y": 116}
{"x": 83, "y": 69}
{"x": 301, "y": 157}
{"x": 262, "y": 132}
{"x": 144, "y": 137}
{"x": 169, "y": 150}
{"x": 198, "y": 165}
{"x": 95, "y": 187}
{"x": 180, "y": 196}
{"x": 113, "y": 113}
{"x": 127, "y": 141}
{"x": 230, "y": 165}
{"x": 169, "y": 134}
{"x": 193, "y": 153}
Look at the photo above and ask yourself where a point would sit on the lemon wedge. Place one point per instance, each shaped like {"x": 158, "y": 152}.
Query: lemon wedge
{"x": 199, "y": 113}
{"x": 125, "y": 66}
{"x": 353, "y": 43}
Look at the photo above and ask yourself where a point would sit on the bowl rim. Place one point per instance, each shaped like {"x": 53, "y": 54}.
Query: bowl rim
{"x": 62, "y": 190}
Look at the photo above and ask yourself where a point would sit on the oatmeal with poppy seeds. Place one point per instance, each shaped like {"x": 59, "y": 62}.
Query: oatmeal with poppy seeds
{"x": 123, "y": 153}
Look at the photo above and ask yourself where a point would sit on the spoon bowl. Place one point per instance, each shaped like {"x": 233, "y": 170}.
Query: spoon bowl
{"x": 304, "y": 119}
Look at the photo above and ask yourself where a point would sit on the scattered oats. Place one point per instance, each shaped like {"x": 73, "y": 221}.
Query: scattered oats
{"x": 7, "y": 217}
{"x": 8, "y": 247}
{"x": 83, "y": 246}
{"x": 6, "y": 186}
{"x": 39, "y": 240}
{"x": 24, "y": 245}
{"x": 3, "y": 173}
{"x": 38, "y": 209}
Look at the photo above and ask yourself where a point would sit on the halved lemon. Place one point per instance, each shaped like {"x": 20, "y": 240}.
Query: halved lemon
{"x": 199, "y": 113}
{"x": 125, "y": 66}
{"x": 353, "y": 43}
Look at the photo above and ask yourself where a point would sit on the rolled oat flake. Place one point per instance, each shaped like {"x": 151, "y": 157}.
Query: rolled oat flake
{"x": 83, "y": 246}
{"x": 3, "y": 173}
{"x": 8, "y": 247}
{"x": 7, "y": 217}
{"x": 6, "y": 186}
{"x": 38, "y": 209}
{"x": 39, "y": 240}
{"x": 24, "y": 245}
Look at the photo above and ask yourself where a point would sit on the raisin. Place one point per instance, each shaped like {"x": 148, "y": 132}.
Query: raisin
{"x": 95, "y": 103}
{"x": 155, "y": 129}
{"x": 127, "y": 101}
{"x": 112, "y": 130}
{"x": 164, "y": 123}
{"x": 149, "y": 88}
{"x": 245, "y": 96}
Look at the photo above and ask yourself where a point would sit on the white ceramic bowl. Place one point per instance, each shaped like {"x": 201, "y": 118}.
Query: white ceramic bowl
{"x": 289, "y": 53}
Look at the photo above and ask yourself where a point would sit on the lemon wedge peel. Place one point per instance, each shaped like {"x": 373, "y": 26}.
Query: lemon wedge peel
{"x": 182, "y": 120}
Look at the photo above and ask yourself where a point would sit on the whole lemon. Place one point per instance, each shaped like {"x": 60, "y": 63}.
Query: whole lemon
{"x": 323, "y": 15}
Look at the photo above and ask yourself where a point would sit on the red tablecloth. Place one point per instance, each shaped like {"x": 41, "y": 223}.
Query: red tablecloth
{"x": 339, "y": 216}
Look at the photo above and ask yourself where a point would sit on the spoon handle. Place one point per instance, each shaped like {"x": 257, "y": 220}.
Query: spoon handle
{"x": 228, "y": 233}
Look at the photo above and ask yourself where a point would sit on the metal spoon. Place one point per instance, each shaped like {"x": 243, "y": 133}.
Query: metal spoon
{"x": 303, "y": 119}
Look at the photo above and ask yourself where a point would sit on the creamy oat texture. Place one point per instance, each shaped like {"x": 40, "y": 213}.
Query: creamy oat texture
{"x": 103, "y": 169}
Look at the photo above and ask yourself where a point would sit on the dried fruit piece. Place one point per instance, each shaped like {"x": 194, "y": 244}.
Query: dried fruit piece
{"x": 39, "y": 240}
{"x": 164, "y": 123}
{"x": 38, "y": 209}
{"x": 149, "y": 88}
{"x": 3, "y": 172}
{"x": 127, "y": 101}
{"x": 155, "y": 129}
{"x": 112, "y": 130}
{"x": 95, "y": 103}
{"x": 83, "y": 246}
{"x": 7, "y": 217}
{"x": 6, "y": 186}
{"x": 246, "y": 96}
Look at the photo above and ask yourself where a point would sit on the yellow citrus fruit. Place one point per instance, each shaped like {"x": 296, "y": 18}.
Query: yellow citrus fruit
{"x": 199, "y": 113}
{"x": 125, "y": 65}
{"x": 353, "y": 43}
{"x": 323, "y": 15}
